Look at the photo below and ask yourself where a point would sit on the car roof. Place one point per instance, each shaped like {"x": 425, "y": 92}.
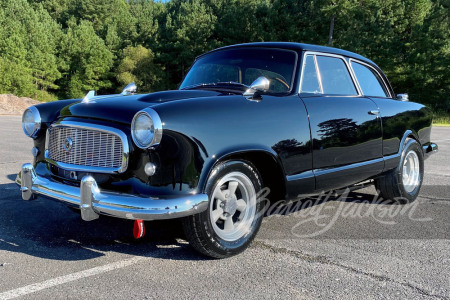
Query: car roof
{"x": 299, "y": 47}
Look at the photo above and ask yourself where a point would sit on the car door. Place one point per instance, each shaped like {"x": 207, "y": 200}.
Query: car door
{"x": 372, "y": 85}
{"x": 345, "y": 128}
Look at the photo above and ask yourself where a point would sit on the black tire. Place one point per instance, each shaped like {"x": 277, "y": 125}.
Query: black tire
{"x": 199, "y": 228}
{"x": 391, "y": 185}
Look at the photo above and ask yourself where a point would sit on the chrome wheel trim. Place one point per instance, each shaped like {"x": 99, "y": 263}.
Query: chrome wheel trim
{"x": 411, "y": 171}
{"x": 232, "y": 208}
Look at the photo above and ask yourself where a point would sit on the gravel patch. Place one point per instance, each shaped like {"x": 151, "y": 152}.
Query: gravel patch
{"x": 13, "y": 105}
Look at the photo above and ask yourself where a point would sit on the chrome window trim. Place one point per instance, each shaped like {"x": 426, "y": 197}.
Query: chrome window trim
{"x": 350, "y": 71}
{"x": 111, "y": 130}
{"x": 376, "y": 71}
{"x": 294, "y": 71}
{"x": 319, "y": 76}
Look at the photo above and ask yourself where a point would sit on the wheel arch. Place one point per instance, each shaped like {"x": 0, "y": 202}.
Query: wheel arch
{"x": 392, "y": 161}
{"x": 409, "y": 134}
{"x": 266, "y": 163}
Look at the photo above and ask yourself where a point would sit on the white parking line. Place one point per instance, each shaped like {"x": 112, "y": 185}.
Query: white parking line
{"x": 35, "y": 287}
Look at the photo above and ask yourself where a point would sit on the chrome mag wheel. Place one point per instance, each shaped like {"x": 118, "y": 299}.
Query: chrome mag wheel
{"x": 402, "y": 184}
{"x": 411, "y": 171}
{"x": 234, "y": 215}
{"x": 232, "y": 207}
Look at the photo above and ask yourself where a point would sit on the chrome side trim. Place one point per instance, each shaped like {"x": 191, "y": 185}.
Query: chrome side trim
{"x": 319, "y": 172}
{"x": 314, "y": 53}
{"x": 371, "y": 67}
{"x": 93, "y": 201}
{"x": 71, "y": 167}
{"x": 303, "y": 175}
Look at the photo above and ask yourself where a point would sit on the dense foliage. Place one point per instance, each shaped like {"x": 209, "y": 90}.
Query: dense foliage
{"x": 62, "y": 48}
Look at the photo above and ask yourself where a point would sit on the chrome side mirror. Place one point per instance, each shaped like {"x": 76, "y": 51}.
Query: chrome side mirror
{"x": 261, "y": 84}
{"x": 130, "y": 89}
{"x": 403, "y": 97}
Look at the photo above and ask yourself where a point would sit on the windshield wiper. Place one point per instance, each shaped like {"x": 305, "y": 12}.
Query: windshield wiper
{"x": 216, "y": 84}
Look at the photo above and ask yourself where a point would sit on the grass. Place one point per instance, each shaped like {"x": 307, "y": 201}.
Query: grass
{"x": 441, "y": 119}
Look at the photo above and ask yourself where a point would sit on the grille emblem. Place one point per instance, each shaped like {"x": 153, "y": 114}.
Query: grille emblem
{"x": 68, "y": 143}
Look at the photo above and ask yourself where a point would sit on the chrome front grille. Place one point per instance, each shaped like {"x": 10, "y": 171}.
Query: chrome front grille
{"x": 83, "y": 148}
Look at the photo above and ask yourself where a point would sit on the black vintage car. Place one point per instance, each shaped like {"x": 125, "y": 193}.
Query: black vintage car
{"x": 295, "y": 118}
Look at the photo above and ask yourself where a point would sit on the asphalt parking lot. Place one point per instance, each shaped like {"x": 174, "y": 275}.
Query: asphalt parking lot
{"x": 352, "y": 248}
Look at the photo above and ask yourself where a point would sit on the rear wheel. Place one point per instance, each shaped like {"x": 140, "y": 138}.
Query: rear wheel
{"x": 403, "y": 183}
{"x": 233, "y": 216}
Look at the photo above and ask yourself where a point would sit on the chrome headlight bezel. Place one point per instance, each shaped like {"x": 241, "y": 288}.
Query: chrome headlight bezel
{"x": 157, "y": 128}
{"x": 36, "y": 122}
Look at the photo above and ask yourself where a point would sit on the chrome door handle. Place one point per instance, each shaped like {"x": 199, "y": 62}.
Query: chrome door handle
{"x": 374, "y": 112}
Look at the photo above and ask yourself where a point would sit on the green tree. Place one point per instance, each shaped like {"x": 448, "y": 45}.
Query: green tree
{"x": 71, "y": 46}
{"x": 14, "y": 68}
{"x": 429, "y": 57}
{"x": 188, "y": 31}
{"x": 147, "y": 14}
{"x": 56, "y": 8}
{"x": 88, "y": 60}
{"x": 28, "y": 50}
{"x": 137, "y": 66}
{"x": 44, "y": 35}
{"x": 104, "y": 13}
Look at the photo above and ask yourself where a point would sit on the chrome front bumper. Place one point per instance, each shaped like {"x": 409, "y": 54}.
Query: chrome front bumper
{"x": 92, "y": 201}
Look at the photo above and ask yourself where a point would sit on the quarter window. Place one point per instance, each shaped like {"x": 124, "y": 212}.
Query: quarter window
{"x": 368, "y": 80}
{"x": 336, "y": 79}
{"x": 310, "y": 81}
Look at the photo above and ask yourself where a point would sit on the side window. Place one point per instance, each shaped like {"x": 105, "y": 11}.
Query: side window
{"x": 368, "y": 80}
{"x": 310, "y": 81}
{"x": 336, "y": 79}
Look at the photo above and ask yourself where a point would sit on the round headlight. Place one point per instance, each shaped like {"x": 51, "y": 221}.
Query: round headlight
{"x": 31, "y": 122}
{"x": 146, "y": 128}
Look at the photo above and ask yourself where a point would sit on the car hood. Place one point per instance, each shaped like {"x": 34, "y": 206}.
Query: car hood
{"x": 118, "y": 108}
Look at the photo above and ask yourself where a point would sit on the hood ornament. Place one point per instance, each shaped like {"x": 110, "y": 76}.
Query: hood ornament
{"x": 89, "y": 96}
{"x": 130, "y": 89}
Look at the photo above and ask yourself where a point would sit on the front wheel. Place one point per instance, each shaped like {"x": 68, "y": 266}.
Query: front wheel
{"x": 234, "y": 213}
{"x": 404, "y": 182}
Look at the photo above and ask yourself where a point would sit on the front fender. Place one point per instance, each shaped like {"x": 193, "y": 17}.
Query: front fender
{"x": 50, "y": 111}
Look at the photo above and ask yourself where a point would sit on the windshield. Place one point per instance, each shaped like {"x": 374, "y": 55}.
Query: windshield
{"x": 244, "y": 66}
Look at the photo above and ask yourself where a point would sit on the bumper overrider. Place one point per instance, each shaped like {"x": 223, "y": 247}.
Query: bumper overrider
{"x": 429, "y": 149}
{"x": 93, "y": 202}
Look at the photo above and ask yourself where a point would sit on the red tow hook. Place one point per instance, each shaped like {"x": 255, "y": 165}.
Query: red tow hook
{"x": 139, "y": 229}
